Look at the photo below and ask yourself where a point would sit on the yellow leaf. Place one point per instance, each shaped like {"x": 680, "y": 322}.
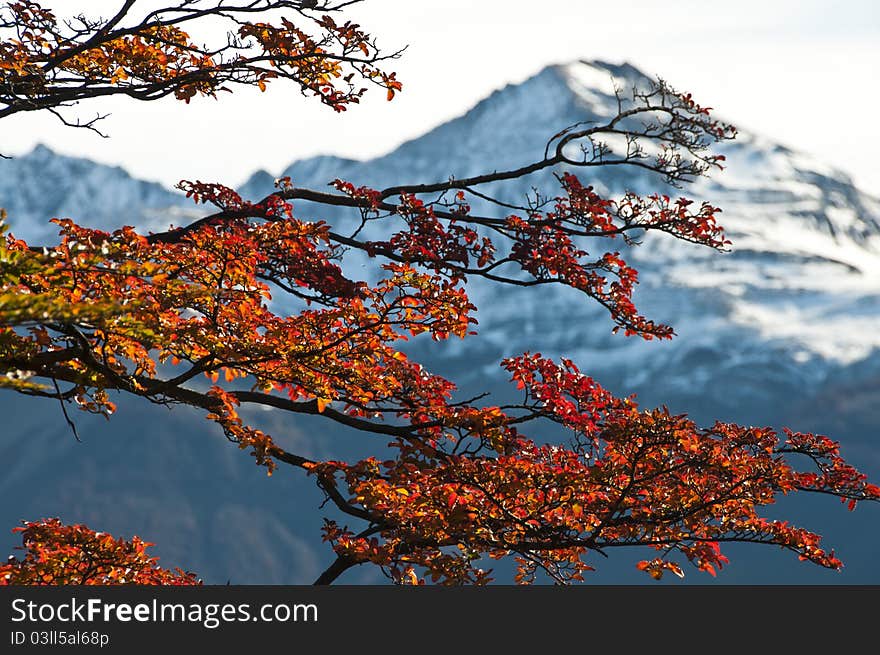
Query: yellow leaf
{"x": 322, "y": 403}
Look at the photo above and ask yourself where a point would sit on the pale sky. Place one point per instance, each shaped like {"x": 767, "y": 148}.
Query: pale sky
{"x": 805, "y": 73}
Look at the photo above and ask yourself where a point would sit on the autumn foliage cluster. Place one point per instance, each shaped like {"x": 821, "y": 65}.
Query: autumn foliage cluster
{"x": 190, "y": 316}
{"x": 74, "y": 555}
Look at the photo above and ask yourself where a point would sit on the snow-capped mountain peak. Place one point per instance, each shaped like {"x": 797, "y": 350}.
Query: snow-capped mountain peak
{"x": 804, "y": 271}
{"x": 43, "y": 184}
{"x": 803, "y": 274}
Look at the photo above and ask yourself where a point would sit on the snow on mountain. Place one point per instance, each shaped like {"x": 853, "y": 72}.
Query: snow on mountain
{"x": 42, "y": 184}
{"x": 800, "y": 290}
{"x": 796, "y": 299}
